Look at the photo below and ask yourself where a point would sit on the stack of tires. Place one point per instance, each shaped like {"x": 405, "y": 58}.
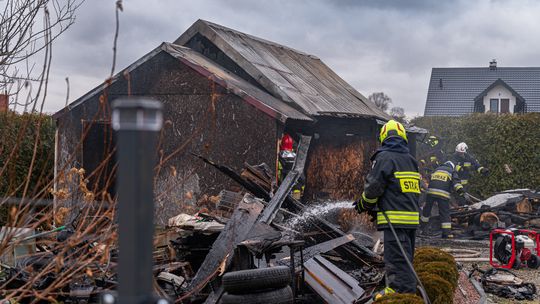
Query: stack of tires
{"x": 258, "y": 286}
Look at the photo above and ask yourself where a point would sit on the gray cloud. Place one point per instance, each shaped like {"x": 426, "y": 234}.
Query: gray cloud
{"x": 387, "y": 46}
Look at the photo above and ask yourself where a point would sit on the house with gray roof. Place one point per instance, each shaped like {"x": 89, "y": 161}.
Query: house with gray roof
{"x": 461, "y": 91}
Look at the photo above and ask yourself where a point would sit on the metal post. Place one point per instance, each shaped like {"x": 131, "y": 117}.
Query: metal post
{"x": 137, "y": 123}
{"x": 292, "y": 250}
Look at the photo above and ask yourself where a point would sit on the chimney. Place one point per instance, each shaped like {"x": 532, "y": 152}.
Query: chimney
{"x": 4, "y": 102}
{"x": 493, "y": 64}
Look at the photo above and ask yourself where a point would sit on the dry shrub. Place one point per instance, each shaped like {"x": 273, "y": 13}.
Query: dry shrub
{"x": 446, "y": 271}
{"x": 439, "y": 290}
{"x": 438, "y": 272}
{"x": 431, "y": 254}
{"x": 336, "y": 170}
{"x": 399, "y": 298}
{"x": 79, "y": 254}
{"x": 349, "y": 219}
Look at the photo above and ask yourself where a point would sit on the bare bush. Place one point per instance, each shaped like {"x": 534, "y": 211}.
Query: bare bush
{"x": 27, "y": 31}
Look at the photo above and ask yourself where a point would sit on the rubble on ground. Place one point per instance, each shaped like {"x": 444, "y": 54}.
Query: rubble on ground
{"x": 504, "y": 283}
{"x": 262, "y": 227}
{"x": 241, "y": 230}
{"x": 509, "y": 209}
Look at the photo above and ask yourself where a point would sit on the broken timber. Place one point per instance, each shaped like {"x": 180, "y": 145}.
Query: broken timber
{"x": 330, "y": 230}
{"x": 333, "y": 232}
{"x": 236, "y": 230}
{"x": 257, "y": 190}
{"x": 288, "y": 183}
{"x": 323, "y": 247}
{"x": 331, "y": 283}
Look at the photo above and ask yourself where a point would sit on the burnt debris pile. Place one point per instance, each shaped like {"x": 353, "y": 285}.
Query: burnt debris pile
{"x": 509, "y": 209}
{"x": 241, "y": 247}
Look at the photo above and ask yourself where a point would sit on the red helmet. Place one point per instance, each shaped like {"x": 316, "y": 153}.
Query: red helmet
{"x": 286, "y": 143}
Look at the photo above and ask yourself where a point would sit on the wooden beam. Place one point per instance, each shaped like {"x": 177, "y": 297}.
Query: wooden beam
{"x": 288, "y": 183}
{"x": 236, "y": 230}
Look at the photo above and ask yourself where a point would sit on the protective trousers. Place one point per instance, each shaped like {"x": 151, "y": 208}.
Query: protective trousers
{"x": 444, "y": 213}
{"x": 399, "y": 276}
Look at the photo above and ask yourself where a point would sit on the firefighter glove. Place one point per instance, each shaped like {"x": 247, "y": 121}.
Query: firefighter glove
{"x": 362, "y": 206}
{"x": 359, "y": 206}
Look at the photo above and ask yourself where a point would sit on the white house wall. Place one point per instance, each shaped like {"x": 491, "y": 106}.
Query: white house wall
{"x": 499, "y": 92}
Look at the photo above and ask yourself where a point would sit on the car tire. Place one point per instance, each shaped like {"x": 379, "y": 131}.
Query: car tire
{"x": 248, "y": 281}
{"x": 276, "y": 296}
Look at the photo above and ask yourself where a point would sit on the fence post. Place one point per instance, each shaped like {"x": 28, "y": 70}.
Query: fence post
{"x": 137, "y": 123}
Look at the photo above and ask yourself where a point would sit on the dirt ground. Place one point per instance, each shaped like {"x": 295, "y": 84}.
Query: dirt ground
{"x": 528, "y": 275}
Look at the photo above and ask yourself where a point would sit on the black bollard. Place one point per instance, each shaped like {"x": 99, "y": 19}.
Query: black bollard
{"x": 137, "y": 123}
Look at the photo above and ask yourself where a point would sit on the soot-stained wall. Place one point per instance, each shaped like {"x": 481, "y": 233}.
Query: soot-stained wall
{"x": 199, "y": 117}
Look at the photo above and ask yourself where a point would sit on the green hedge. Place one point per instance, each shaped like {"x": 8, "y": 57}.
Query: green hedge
{"x": 18, "y": 133}
{"x": 496, "y": 141}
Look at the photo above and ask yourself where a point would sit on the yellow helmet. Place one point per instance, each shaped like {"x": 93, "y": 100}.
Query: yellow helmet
{"x": 392, "y": 128}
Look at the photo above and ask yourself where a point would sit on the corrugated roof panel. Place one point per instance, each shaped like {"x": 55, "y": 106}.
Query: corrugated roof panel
{"x": 233, "y": 81}
{"x": 251, "y": 94}
{"x": 287, "y": 73}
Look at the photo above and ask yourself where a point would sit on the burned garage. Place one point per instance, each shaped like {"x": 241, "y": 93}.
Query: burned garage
{"x": 213, "y": 166}
{"x": 228, "y": 97}
{"x": 232, "y": 103}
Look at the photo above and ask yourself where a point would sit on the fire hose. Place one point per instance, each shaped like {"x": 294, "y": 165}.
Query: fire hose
{"x": 411, "y": 267}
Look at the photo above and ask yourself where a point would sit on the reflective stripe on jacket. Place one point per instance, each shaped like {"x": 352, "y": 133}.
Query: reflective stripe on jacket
{"x": 394, "y": 185}
{"x": 465, "y": 165}
{"x": 443, "y": 181}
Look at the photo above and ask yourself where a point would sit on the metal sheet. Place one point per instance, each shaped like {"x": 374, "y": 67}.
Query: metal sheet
{"x": 251, "y": 94}
{"x": 331, "y": 283}
{"x": 273, "y": 65}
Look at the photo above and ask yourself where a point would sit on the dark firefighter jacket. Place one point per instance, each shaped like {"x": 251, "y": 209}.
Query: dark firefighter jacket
{"x": 465, "y": 165}
{"x": 442, "y": 181}
{"x": 432, "y": 159}
{"x": 393, "y": 185}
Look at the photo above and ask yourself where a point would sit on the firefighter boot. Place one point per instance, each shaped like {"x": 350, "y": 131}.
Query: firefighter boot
{"x": 424, "y": 222}
{"x": 447, "y": 233}
{"x": 382, "y": 293}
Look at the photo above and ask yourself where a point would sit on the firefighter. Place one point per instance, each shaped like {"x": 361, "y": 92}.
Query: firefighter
{"x": 466, "y": 164}
{"x": 286, "y": 156}
{"x": 434, "y": 156}
{"x": 441, "y": 183}
{"x": 286, "y": 159}
{"x": 393, "y": 187}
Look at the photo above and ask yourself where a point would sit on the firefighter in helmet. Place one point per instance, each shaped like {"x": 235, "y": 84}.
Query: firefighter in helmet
{"x": 393, "y": 187}
{"x": 433, "y": 157}
{"x": 441, "y": 183}
{"x": 286, "y": 159}
{"x": 466, "y": 165}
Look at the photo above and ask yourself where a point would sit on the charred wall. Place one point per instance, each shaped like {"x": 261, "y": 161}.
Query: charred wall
{"x": 200, "y": 117}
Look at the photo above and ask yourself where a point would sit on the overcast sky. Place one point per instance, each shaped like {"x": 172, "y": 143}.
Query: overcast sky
{"x": 376, "y": 45}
